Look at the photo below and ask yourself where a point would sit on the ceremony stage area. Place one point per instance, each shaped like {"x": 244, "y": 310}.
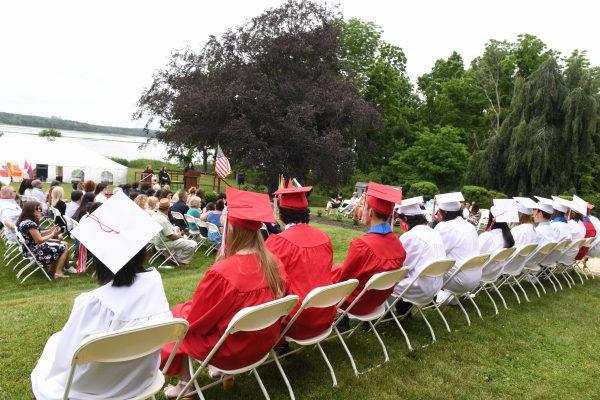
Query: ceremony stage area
{"x": 545, "y": 349}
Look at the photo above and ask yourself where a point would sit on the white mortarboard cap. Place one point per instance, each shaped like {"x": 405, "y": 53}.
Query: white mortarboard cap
{"x": 561, "y": 204}
{"x": 525, "y": 205}
{"x": 579, "y": 205}
{"x": 449, "y": 201}
{"x": 505, "y": 210}
{"x": 116, "y": 231}
{"x": 411, "y": 206}
{"x": 544, "y": 204}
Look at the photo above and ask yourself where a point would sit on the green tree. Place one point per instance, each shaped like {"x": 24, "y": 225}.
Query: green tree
{"x": 437, "y": 155}
{"x": 530, "y": 53}
{"x": 50, "y": 133}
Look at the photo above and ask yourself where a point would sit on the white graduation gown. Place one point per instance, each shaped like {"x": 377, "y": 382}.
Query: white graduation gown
{"x": 422, "y": 245}
{"x": 562, "y": 229}
{"x": 546, "y": 233}
{"x": 577, "y": 232}
{"x": 490, "y": 242}
{"x": 524, "y": 234}
{"x": 101, "y": 310}
{"x": 461, "y": 242}
{"x": 595, "y": 250}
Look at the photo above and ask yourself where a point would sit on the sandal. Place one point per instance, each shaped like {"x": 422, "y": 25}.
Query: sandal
{"x": 171, "y": 392}
{"x": 61, "y": 276}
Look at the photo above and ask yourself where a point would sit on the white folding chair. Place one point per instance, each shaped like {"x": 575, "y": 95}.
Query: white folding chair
{"x": 490, "y": 272}
{"x": 550, "y": 261}
{"x": 475, "y": 262}
{"x": 319, "y": 297}
{"x": 532, "y": 267}
{"x": 127, "y": 345}
{"x": 162, "y": 250}
{"x": 379, "y": 281}
{"x": 196, "y": 234}
{"x": 30, "y": 261}
{"x": 435, "y": 269}
{"x": 179, "y": 216}
{"x": 212, "y": 228}
{"x": 580, "y": 266}
{"x": 514, "y": 267}
{"x": 249, "y": 319}
{"x": 567, "y": 261}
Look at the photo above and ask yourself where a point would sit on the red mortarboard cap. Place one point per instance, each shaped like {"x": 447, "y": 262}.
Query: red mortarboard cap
{"x": 293, "y": 198}
{"x": 248, "y": 210}
{"x": 383, "y": 198}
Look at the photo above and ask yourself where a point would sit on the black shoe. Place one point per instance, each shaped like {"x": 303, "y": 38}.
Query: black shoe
{"x": 282, "y": 350}
{"x": 343, "y": 325}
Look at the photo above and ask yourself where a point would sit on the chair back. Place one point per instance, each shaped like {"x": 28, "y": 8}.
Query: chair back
{"x": 437, "y": 268}
{"x": 127, "y": 344}
{"x": 191, "y": 220}
{"x": 474, "y": 262}
{"x": 494, "y": 266}
{"x": 542, "y": 252}
{"x": 556, "y": 252}
{"x": 385, "y": 280}
{"x": 179, "y": 216}
{"x": 517, "y": 261}
{"x": 327, "y": 296}
{"x": 502, "y": 254}
{"x": 262, "y": 316}
{"x": 212, "y": 227}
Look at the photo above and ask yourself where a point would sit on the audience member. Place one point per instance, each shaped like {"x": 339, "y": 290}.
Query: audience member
{"x": 25, "y": 187}
{"x": 89, "y": 186}
{"x": 182, "y": 248}
{"x": 74, "y": 204}
{"x": 181, "y": 207}
{"x": 147, "y": 174}
{"x": 134, "y": 195}
{"x": 100, "y": 192}
{"x": 37, "y": 192}
{"x": 57, "y": 201}
{"x": 194, "y": 210}
{"x": 163, "y": 177}
{"x": 142, "y": 201}
{"x": 9, "y": 210}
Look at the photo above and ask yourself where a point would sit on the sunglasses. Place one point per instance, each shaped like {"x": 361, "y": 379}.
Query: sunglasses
{"x": 38, "y": 209}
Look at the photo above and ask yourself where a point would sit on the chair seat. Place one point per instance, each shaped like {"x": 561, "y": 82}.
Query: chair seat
{"x": 378, "y": 312}
{"x": 312, "y": 340}
{"x": 240, "y": 370}
{"x": 159, "y": 382}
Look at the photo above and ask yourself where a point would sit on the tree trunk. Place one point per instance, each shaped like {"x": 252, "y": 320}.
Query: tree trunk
{"x": 205, "y": 159}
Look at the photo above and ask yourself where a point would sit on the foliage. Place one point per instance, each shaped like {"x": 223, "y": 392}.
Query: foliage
{"x": 423, "y": 188}
{"x": 497, "y": 195}
{"x": 156, "y": 165}
{"x": 49, "y": 133}
{"x": 477, "y": 194}
{"x": 121, "y": 161}
{"x": 270, "y": 92}
{"x": 255, "y": 188}
{"x": 211, "y": 196}
{"x": 437, "y": 155}
{"x": 58, "y": 123}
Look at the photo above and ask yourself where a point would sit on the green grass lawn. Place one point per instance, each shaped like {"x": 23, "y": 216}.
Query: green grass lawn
{"x": 546, "y": 349}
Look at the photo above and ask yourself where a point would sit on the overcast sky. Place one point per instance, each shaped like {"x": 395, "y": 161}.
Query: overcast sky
{"x": 89, "y": 61}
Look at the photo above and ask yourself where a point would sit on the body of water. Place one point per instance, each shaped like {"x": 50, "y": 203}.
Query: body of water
{"x": 109, "y": 145}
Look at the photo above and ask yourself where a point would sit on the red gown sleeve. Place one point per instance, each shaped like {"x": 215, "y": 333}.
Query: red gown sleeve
{"x": 351, "y": 267}
{"x": 212, "y": 299}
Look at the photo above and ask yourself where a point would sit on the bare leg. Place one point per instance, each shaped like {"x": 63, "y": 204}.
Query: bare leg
{"x": 60, "y": 263}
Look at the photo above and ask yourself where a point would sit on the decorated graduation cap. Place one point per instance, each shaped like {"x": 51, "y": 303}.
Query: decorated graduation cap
{"x": 383, "y": 198}
{"x": 248, "y": 210}
{"x": 411, "y": 206}
{"x": 560, "y": 204}
{"x": 525, "y": 205}
{"x": 293, "y": 198}
{"x": 505, "y": 210}
{"x": 579, "y": 205}
{"x": 544, "y": 204}
{"x": 116, "y": 231}
{"x": 449, "y": 201}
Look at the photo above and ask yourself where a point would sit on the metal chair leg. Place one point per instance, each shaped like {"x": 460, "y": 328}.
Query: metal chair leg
{"x": 385, "y": 353}
{"x": 476, "y": 307}
{"x": 260, "y": 383}
{"x": 283, "y": 375}
{"x": 347, "y": 350}
{"x": 428, "y": 324}
{"x": 523, "y": 289}
{"x": 331, "y": 371}
{"x": 410, "y": 348}
{"x": 493, "y": 302}
{"x": 501, "y": 297}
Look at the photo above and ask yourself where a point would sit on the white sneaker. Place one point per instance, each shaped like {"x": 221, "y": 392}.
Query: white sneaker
{"x": 71, "y": 270}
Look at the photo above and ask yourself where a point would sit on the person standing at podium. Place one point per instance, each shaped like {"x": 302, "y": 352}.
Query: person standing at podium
{"x": 189, "y": 167}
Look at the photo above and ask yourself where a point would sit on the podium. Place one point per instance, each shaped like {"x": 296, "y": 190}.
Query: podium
{"x": 190, "y": 179}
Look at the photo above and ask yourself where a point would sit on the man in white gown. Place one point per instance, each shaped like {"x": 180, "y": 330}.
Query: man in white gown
{"x": 128, "y": 296}
{"x": 542, "y": 216}
{"x": 460, "y": 242}
{"x": 422, "y": 245}
{"x": 525, "y": 233}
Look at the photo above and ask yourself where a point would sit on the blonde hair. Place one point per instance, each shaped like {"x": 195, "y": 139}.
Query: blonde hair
{"x": 142, "y": 201}
{"x": 152, "y": 202}
{"x": 58, "y": 193}
{"x": 239, "y": 239}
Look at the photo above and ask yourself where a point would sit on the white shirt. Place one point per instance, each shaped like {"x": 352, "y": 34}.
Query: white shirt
{"x": 72, "y": 206}
{"x": 422, "y": 245}
{"x": 596, "y": 222}
{"x": 562, "y": 229}
{"x": 100, "y": 198}
{"x": 461, "y": 242}
{"x": 39, "y": 195}
{"x": 9, "y": 209}
{"x": 102, "y": 310}
{"x": 546, "y": 233}
{"x": 577, "y": 229}
{"x": 490, "y": 242}
{"x": 524, "y": 234}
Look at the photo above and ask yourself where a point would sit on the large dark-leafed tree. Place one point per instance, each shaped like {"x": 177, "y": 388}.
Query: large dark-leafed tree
{"x": 272, "y": 92}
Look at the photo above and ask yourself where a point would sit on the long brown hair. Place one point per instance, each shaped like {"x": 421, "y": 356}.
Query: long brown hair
{"x": 28, "y": 212}
{"x": 525, "y": 219}
{"x": 237, "y": 239}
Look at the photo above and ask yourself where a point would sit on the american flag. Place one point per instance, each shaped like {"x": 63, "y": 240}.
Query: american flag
{"x": 222, "y": 167}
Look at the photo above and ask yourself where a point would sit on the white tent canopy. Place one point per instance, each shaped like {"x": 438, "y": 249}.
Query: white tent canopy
{"x": 71, "y": 160}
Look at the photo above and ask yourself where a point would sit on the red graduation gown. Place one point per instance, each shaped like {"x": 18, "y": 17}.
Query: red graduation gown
{"x": 228, "y": 286}
{"x": 590, "y": 231}
{"x": 307, "y": 257}
{"x": 368, "y": 255}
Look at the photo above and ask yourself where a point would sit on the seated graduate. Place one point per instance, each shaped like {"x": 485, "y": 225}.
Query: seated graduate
{"x": 128, "y": 296}
{"x": 307, "y": 256}
{"x": 497, "y": 234}
{"x": 559, "y": 218}
{"x": 246, "y": 275}
{"x": 460, "y": 241}
{"x": 582, "y": 206}
{"x": 524, "y": 233}
{"x": 541, "y": 216}
{"x": 378, "y": 250}
{"x": 422, "y": 245}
